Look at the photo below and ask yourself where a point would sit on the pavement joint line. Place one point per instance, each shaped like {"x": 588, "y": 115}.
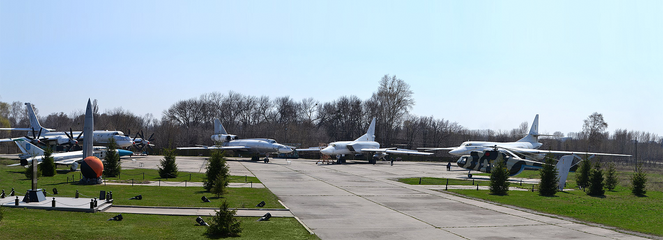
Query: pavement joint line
{"x": 379, "y": 204}
{"x": 203, "y": 208}
{"x": 415, "y": 188}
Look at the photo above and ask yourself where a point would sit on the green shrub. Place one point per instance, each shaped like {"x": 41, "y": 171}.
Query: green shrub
{"x": 47, "y": 165}
{"x": 224, "y": 224}
{"x": 216, "y": 168}
{"x": 28, "y": 171}
{"x": 499, "y": 177}
{"x": 168, "y": 168}
{"x": 582, "y": 175}
{"x": 549, "y": 178}
{"x": 639, "y": 182}
{"x": 596, "y": 181}
{"x": 611, "y": 177}
{"x": 112, "y": 166}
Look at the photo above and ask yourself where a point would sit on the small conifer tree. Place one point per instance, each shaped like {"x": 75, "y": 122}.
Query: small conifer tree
{"x": 611, "y": 177}
{"x": 217, "y": 168}
{"x": 582, "y": 175}
{"x": 499, "y": 176}
{"x": 168, "y": 168}
{"x": 224, "y": 224}
{"x": 112, "y": 166}
{"x": 47, "y": 165}
{"x": 596, "y": 181}
{"x": 639, "y": 181}
{"x": 549, "y": 178}
{"x": 219, "y": 187}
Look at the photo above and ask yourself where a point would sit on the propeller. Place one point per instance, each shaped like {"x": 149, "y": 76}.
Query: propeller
{"x": 143, "y": 141}
{"x": 73, "y": 142}
{"x": 36, "y": 138}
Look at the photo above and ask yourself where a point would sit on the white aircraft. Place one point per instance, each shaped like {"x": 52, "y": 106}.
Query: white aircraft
{"x": 46, "y": 135}
{"x": 227, "y": 141}
{"x": 524, "y": 153}
{"x": 364, "y": 144}
{"x": 67, "y": 158}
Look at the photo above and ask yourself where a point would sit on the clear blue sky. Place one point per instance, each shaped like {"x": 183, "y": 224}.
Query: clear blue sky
{"x": 483, "y": 64}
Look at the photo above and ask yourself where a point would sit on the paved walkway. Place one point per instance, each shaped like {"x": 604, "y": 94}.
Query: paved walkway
{"x": 174, "y": 211}
{"x": 362, "y": 201}
{"x": 188, "y": 184}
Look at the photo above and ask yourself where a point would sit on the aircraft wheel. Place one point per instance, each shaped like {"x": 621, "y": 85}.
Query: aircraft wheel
{"x": 266, "y": 160}
{"x": 469, "y": 175}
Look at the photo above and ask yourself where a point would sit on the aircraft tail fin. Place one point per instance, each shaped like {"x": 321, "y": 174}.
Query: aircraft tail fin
{"x": 370, "y": 134}
{"x": 218, "y": 127}
{"x": 563, "y": 166}
{"x": 34, "y": 122}
{"x": 533, "y": 135}
{"x": 29, "y": 148}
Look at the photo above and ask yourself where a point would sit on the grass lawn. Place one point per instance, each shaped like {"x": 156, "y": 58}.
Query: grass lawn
{"x": 21, "y": 223}
{"x": 13, "y": 177}
{"x": 153, "y": 175}
{"x": 618, "y": 208}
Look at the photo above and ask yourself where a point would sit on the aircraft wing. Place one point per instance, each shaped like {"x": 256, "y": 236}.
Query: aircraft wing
{"x": 311, "y": 149}
{"x": 438, "y": 149}
{"x": 11, "y": 139}
{"x": 215, "y": 147}
{"x": 15, "y": 129}
{"x": 396, "y": 151}
{"x": 538, "y": 151}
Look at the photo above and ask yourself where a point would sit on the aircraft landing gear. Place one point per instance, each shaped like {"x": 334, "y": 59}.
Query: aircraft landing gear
{"x": 372, "y": 161}
{"x": 266, "y": 160}
{"x": 340, "y": 160}
{"x": 469, "y": 175}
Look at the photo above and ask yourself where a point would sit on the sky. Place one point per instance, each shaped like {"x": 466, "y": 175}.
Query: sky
{"x": 482, "y": 64}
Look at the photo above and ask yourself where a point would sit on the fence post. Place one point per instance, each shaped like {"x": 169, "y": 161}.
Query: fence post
{"x": 189, "y": 176}
{"x": 143, "y": 175}
{"x": 159, "y": 182}
{"x": 132, "y": 182}
{"x": 184, "y": 183}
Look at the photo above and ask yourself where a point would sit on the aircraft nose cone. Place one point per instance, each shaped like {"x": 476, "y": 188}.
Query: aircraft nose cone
{"x": 284, "y": 149}
{"x": 456, "y": 151}
{"x": 326, "y": 151}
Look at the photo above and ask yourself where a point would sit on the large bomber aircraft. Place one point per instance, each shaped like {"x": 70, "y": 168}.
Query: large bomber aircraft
{"x": 67, "y": 158}
{"x": 257, "y": 146}
{"x": 521, "y": 154}
{"x": 364, "y": 144}
{"x": 47, "y": 136}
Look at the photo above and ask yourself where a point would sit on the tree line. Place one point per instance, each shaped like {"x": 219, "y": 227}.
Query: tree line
{"x": 309, "y": 122}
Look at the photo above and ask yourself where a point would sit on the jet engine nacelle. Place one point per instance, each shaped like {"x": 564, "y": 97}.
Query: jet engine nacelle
{"x": 224, "y": 138}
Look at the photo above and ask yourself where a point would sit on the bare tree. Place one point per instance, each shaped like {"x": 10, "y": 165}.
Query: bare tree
{"x": 594, "y": 129}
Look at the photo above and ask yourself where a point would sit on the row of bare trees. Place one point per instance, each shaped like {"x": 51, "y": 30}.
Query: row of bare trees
{"x": 308, "y": 122}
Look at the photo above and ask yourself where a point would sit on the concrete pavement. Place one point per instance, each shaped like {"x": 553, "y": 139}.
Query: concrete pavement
{"x": 362, "y": 201}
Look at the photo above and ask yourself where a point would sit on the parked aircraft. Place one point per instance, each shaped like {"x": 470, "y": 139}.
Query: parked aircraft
{"x": 522, "y": 154}
{"x": 365, "y": 144}
{"x": 46, "y": 136}
{"x": 257, "y": 146}
{"x": 67, "y": 158}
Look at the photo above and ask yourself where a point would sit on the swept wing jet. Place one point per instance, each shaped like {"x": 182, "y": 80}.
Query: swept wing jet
{"x": 522, "y": 154}
{"x": 365, "y": 144}
{"x": 227, "y": 141}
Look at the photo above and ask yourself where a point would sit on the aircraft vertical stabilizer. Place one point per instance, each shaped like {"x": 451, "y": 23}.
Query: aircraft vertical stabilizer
{"x": 34, "y": 123}
{"x": 533, "y": 134}
{"x": 563, "y": 166}
{"x": 370, "y": 134}
{"x": 29, "y": 148}
{"x": 218, "y": 128}
{"x": 88, "y": 129}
